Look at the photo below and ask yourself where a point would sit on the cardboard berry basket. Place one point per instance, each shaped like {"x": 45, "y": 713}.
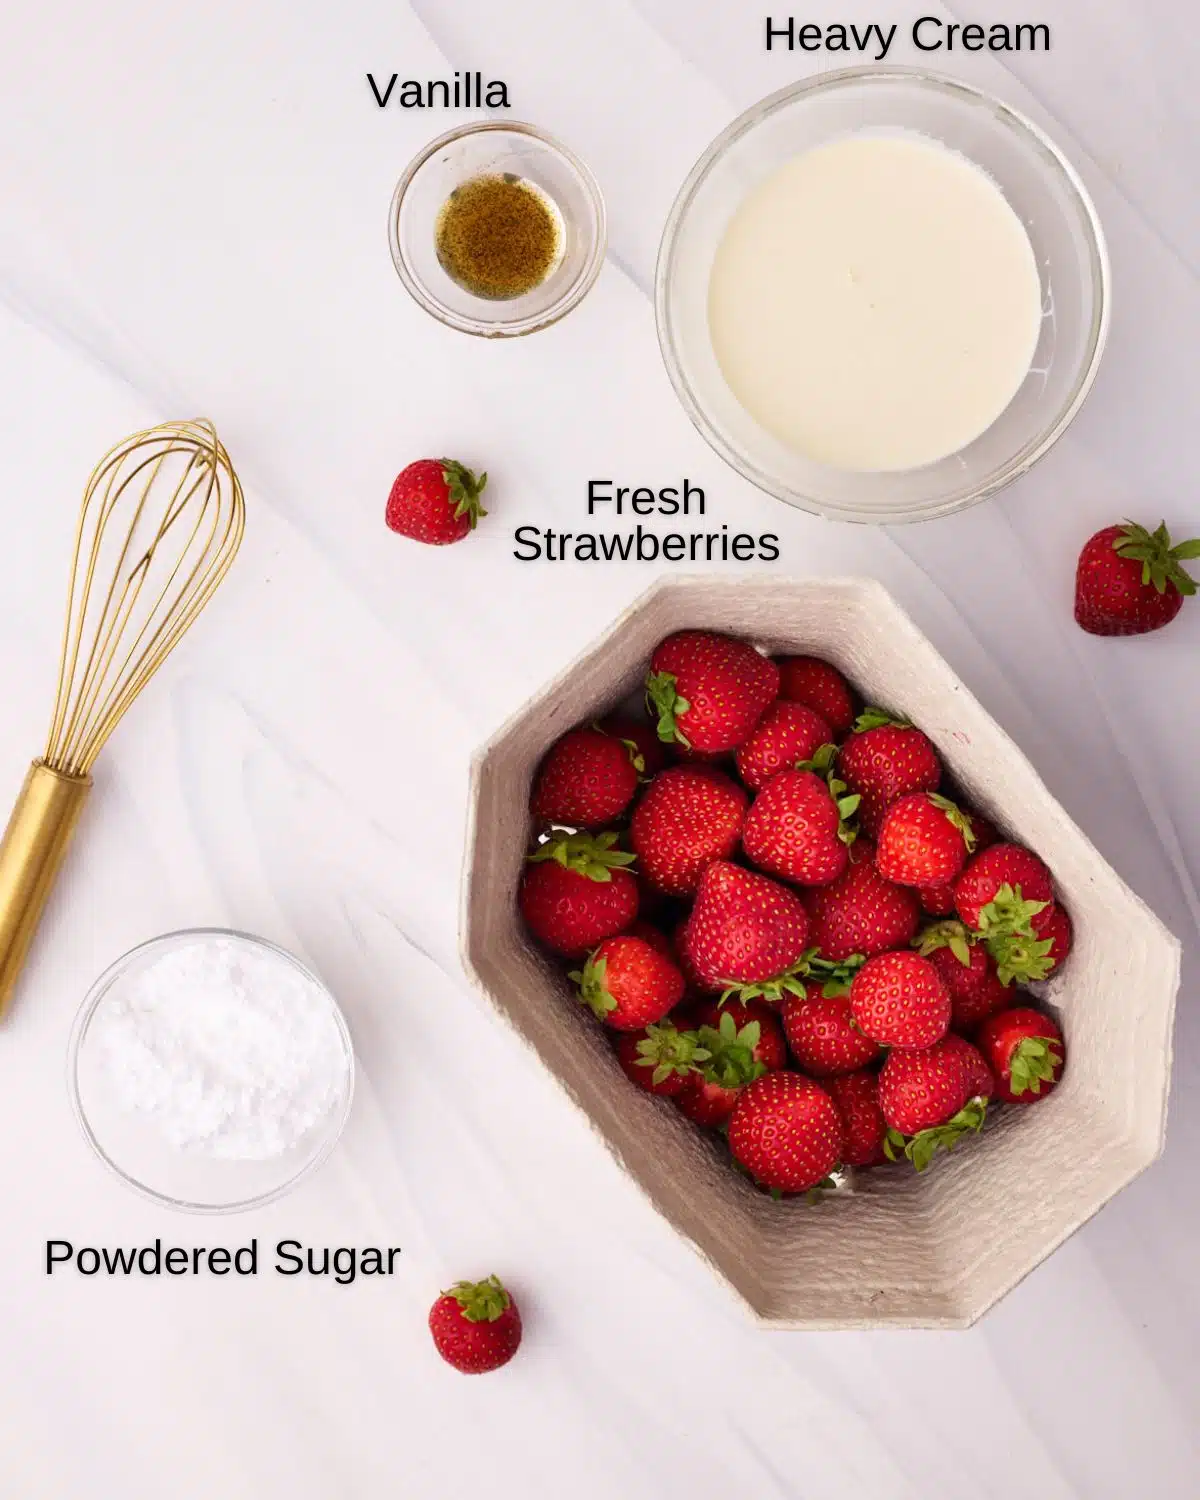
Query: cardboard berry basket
{"x": 894, "y": 1249}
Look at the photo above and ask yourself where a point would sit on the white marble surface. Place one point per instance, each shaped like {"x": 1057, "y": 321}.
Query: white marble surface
{"x": 192, "y": 221}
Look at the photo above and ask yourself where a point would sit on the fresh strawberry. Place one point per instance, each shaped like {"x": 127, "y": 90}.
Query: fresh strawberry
{"x": 587, "y": 779}
{"x": 1024, "y": 958}
{"x": 822, "y": 1035}
{"x": 937, "y": 900}
{"x": 744, "y": 928}
{"x": 627, "y": 985}
{"x": 1002, "y": 889}
{"x": 786, "y": 734}
{"x": 796, "y": 828}
{"x": 705, "y": 1102}
{"x": 926, "y": 1098}
{"x": 641, "y": 741}
{"x": 884, "y": 759}
{"x": 710, "y": 1096}
{"x": 985, "y": 831}
{"x": 1053, "y": 925}
{"x": 857, "y": 1098}
{"x": 476, "y": 1326}
{"x": 709, "y": 691}
{"x": 787, "y": 1133}
{"x": 860, "y": 911}
{"x": 695, "y": 985}
{"x": 661, "y": 1059}
{"x": 898, "y": 999}
{"x": 819, "y": 686}
{"x": 435, "y": 500}
{"x": 923, "y": 840}
{"x": 967, "y": 970}
{"x": 770, "y": 1048}
{"x": 1025, "y": 1050}
{"x": 655, "y": 936}
{"x": 981, "y": 1081}
{"x": 687, "y": 817}
{"x": 576, "y": 892}
{"x": 1131, "y": 580}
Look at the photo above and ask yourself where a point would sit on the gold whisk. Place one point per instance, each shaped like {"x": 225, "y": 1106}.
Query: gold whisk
{"x": 161, "y": 522}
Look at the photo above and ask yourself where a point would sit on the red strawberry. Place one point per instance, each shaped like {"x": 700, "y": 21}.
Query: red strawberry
{"x": 709, "y": 1097}
{"x": 926, "y": 1096}
{"x": 884, "y": 759}
{"x": 857, "y": 1098}
{"x": 661, "y": 1059}
{"x": 999, "y": 890}
{"x": 588, "y": 779}
{"x": 923, "y": 840}
{"x": 627, "y": 985}
{"x": 860, "y": 911}
{"x": 985, "y": 831}
{"x": 655, "y": 936}
{"x": 705, "y": 1102}
{"x": 819, "y": 686}
{"x": 822, "y": 1035}
{"x": 641, "y": 741}
{"x": 786, "y": 734}
{"x": 1130, "y": 580}
{"x": 709, "y": 691}
{"x": 575, "y": 893}
{"x": 1025, "y": 1050}
{"x": 688, "y": 816}
{"x": 898, "y": 999}
{"x": 1053, "y": 925}
{"x": 786, "y": 1131}
{"x": 967, "y": 970}
{"x": 435, "y": 500}
{"x": 796, "y": 828}
{"x": 476, "y": 1326}
{"x": 1022, "y": 958}
{"x": 695, "y": 985}
{"x": 744, "y": 928}
{"x": 981, "y": 1081}
{"x": 770, "y": 1048}
{"x": 937, "y": 900}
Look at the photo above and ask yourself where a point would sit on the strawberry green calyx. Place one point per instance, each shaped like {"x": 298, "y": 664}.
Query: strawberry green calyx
{"x": 481, "y": 1301}
{"x": 822, "y": 764}
{"x": 1161, "y": 562}
{"x": 948, "y": 934}
{"x": 878, "y": 718}
{"x": 1021, "y": 959}
{"x": 1033, "y": 1062}
{"x": 834, "y": 978}
{"x": 465, "y": 490}
{"x": 957, "y": 817}
{"x": 921, "y": 1148}
{"x": 593, "y": 990}
{"x": 664, "y": 701}
{"x": 593, "y": 855}
{"x": 731, "y": 1061}
{"x": 1007, "y": 914}
{"x": 670, "y": 1051}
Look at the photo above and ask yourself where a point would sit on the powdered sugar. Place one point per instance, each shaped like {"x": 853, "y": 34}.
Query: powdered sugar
{"x": 232, "y": 1050}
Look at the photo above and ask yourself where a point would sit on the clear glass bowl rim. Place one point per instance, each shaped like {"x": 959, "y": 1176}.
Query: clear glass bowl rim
{"x": 83, "y": 1019}
{"x": 1022, "y": 462}
{"x": 480, "y": 327}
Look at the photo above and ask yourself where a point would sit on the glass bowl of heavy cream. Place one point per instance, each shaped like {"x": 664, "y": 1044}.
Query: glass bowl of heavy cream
{"x": 882, "y": 295}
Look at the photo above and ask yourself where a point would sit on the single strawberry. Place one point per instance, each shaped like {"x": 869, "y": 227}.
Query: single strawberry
{"x": 709, "y": 691}
{"x": 627, "y": 985}
{"x": 770, "y": 1049}
{"x": 655, "y": 936}
{"x": 819, "y": 686}
{"x": 967, "y": 970}
{"x": 937, "y": 900}
{"x": 687, "y": 817}
{"x": 856, "y": 1096}
{"x": 860, "y": 911}
{"x": 1025, "y": 1050}
{"x": 661, "y": 1058}
{"x": 926, "y": 1099}
{"x": 744, "y": 928}
{"x": 898, "y": 999}
{"x": 1025, "y": 958}
{"x": 476, "y": 1326}
{"x": 1053, "y": 925}
{"x": 705, "y": 1102}
{"x": 1002, "y": 889}
{"x": 642, "y": 742}
{"x": 587, "y": 780}
{"x": 576, "y": 892}
{"x": 822, "y": 1035}
{"x": 1130, "y": 580}
{"x": 984, "y": 830}
{"x": 796, "y": 828}
{"x": 709, "y": 1097}
{"x": 981, "y": 1081}
{"x": 787, "y": 734}
{"x": 435, "y": 500}
{"x": 885, "y": 759}
{"x": 923, "y": 840}
{"x": 787, "y": 1133}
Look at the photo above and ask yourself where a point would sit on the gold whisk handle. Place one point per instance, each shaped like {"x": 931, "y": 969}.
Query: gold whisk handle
{"x": 38, "y": 835}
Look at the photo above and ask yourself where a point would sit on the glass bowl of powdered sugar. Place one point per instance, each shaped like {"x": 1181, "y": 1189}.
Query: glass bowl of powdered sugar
{"x": 211, "y": 1070}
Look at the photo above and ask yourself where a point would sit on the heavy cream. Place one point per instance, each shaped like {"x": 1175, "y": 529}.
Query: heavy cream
{"x": 875, "y": 303}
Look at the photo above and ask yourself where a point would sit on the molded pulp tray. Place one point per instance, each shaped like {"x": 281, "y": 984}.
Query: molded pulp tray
{"x": 898, "y": 1250}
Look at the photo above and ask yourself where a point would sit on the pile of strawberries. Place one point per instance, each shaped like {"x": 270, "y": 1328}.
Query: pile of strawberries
{"x": 790, "y": 928}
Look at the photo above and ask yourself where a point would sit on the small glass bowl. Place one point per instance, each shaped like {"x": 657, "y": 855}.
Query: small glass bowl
{"x": 491, "y": 148}
{"x": 1041, "y": 186}
{"x": 130, "y": 1145}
